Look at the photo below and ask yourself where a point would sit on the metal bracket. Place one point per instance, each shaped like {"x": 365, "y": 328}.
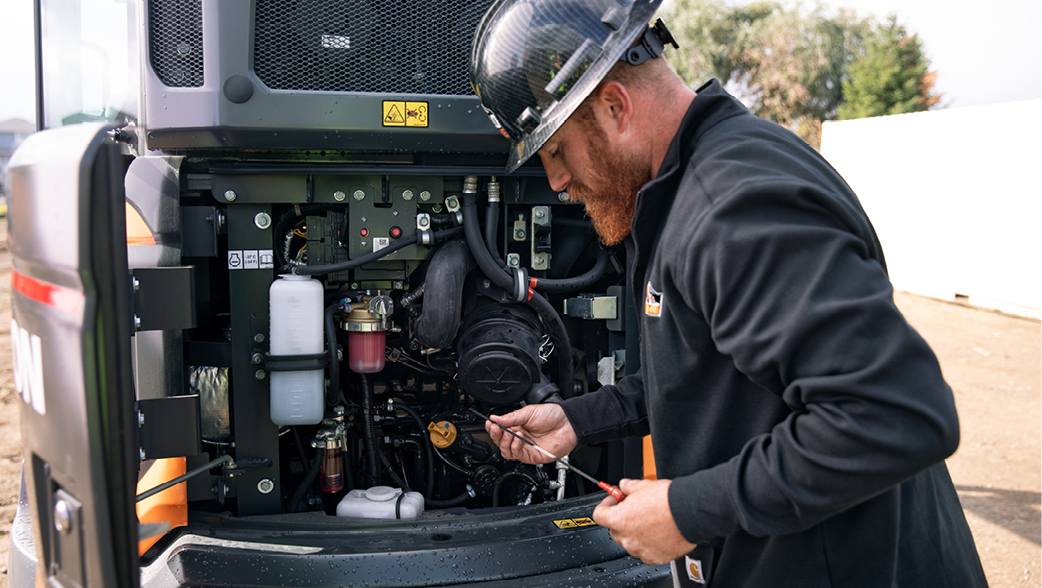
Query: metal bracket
{"x": 164, "y": 298}
{"x": 540, "y": 237}
{"x": 170, "y": 426}
{"x": 592, "y": 307}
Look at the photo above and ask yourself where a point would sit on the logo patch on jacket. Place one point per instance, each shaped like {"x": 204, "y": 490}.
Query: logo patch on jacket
{"x": 694, "y": 570}
{"x": 652, "y": 301}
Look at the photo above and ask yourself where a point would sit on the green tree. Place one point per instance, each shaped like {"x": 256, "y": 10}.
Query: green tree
{"x": 786, "y": 64}
{"x": 891, "y": 77}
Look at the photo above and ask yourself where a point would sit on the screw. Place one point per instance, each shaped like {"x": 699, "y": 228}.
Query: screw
{"x": 262, "y": 220}
{"x": 364, "y": 244}
{"x": 141, "y": 454}
{"x": 394, "y": 213}
{"x": 137, "y": 323}
{"x": 408, "y": 195}
{"x": 62, "y": 517}
{"x": 265, "y": 486}
{"x": 258, "y": 338}
{"x": 452, "y": 202}
{"x": 137, "y": 285}
{"x": 519, "y": 233}
{"x": 364, "y": 219}
{"x": 229, "y": 195}
{"x": 140, "y": 419}
{"x": 539, "y": 259}
{"x": 354, "y": 285}
{"x": 425, "y": 195}
{"x": 339, "y": 195}
{"x": 564, "y": 197}
{"x": 339, "y": 354}
{"x": 257, "y": 358}
{"x": 486, "y": 284}
{"x": 436, "y": 208}
{"x": 359, "y": 195}
{"x": 397, "y": 285}
{"x": 424, "y": 221}
{"x": 540, "y": 214}
{"x": 260, "y": 374}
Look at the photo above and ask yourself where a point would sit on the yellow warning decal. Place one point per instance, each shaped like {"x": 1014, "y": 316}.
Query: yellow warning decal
{"x": 405, "y": 114}
{"x": 572, "y": 523}
{"x": 394, "y": 114}
{"x": 416, "y": 114}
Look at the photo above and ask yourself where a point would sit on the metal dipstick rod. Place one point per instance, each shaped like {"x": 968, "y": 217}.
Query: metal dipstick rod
{"x": 614, "y": 491}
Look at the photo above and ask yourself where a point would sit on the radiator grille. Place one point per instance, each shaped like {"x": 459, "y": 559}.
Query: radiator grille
{"x": 176, "y": 41}
{"x": 381, "y": 46}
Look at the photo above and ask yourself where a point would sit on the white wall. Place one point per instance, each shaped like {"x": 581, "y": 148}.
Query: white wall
{"x": 956, "y": 198}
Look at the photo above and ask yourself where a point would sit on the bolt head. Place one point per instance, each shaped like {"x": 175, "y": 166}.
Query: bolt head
{"x": 230, "y": 195}
{"x": 408, "y": 195}
{"x": 539, "y": 214}
{"x": 436, "y": 208}
{"x": 339, "y": 196}
{"x": 265, "y": 486}
{"x": 262, "y": 220}
{"x": 354, "y": 285}
{"x": 257, "y": 358}
{"x": 359, "y": 195}
{"x": 260, "y": 374}
{"x": 62, "y": 517}
{"x": 425, "y": 195}
{"x": 397, "y": 285}
{"x": 258, "y": 338}
{"x": 564, "y": 197}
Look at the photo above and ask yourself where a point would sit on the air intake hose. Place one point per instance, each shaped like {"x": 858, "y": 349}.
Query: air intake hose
{"x": 443, "y": 295}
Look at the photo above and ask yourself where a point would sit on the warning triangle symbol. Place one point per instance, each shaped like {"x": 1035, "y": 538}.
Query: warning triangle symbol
{"x": 394, "y": 115}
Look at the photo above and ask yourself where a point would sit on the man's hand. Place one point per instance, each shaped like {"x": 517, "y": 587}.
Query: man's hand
{"x": 642, "y": 523}
{"x": 544, "y": 424}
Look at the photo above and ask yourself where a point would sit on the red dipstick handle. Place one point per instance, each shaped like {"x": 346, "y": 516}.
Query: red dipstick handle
{"x": 612, "y": 490}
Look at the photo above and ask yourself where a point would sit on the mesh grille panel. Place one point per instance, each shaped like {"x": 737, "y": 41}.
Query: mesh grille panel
{"x": 382, "y": 46}
{"x": 176, "y": 41}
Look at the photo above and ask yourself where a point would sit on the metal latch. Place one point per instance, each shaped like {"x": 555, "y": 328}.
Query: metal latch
{"x": 592, "y": 307}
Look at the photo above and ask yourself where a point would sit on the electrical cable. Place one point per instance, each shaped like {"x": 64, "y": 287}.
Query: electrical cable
{"x": 368, "y": 432}
{"x": 428, "y": 445}
{"x": 333, "y": 392}
{"x": 309, "y": 479}
{"x": 499, "y": 484}
{"x": 332, "y": 268}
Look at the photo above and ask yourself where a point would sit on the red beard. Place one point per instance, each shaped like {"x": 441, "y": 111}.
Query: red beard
{"x": 611, "y": 194}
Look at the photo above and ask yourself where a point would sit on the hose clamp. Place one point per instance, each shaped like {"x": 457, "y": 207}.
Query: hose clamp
{"x": 520, "y": 291}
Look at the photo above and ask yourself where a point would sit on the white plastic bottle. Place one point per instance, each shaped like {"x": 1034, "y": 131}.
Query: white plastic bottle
{"x": 381, "y": 502}
{"x": 295, "y": 308}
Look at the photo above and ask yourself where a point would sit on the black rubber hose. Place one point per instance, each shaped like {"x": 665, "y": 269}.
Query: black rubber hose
{"x": 457, "y": 501}
{"x": 314, "y": 270}
{"x": 309, "y": 479}
{"x": 428, "y": 446}
{"x": 443, "y": 295}
{"x": 368, "y": 432}
{"x": 499, "y": 484}
{"x": 398, "y": 481}
{"x": 333, "y": 392}
{"x": 492, "y": 232}
{"x": 578, "y": 282}
{"x": 505, "y": 281}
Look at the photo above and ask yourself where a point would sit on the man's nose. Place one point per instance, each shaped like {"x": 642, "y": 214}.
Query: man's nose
{"x": 557, "y": 175}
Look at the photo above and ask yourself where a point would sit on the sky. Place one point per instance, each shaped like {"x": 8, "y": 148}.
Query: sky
{"x": 983, "y": 52}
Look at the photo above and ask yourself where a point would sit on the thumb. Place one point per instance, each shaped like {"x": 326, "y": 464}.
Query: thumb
{"x": 511, "y": 419}
{"x": 630, "y": 486}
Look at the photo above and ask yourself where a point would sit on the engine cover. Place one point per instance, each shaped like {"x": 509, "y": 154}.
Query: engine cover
{"x": 499, "y": 354}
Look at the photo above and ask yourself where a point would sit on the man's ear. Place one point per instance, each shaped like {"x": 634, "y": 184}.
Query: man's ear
{"x": 614, "y": 107}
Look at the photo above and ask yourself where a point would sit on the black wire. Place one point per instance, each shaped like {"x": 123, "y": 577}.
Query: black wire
{"x": 309, "y": 479}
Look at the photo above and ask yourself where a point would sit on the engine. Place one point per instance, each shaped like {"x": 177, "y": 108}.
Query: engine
{"x": 400, "y": 310}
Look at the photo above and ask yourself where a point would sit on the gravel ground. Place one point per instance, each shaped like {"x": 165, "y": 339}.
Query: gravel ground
{"x": 992, "y": 362}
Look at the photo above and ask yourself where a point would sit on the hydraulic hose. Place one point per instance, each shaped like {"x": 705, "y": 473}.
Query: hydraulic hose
{"x": 578, "y": 282}
{"x": 428, "y": 446}
{"x": 333, "y": 392}
{"x": 332, "y": 268}
{"x": 458, "y": 500}
{"x": 499, "y": 484}
{"x": 309, "y": 479}
{"x": 492, "y": 232}
{"x": 368, "y": 432}
{"x": 505, "y": 281}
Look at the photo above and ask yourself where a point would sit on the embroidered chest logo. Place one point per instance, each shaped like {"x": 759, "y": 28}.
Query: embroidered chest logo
{"x": 652, "y": 301}
{"x": 694, "y": 570}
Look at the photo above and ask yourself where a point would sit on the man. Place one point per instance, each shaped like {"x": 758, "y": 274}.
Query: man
{"x": 799, "y": 423}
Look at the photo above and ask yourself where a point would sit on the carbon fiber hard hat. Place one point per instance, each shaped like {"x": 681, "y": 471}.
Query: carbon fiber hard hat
{"x": 533, "y": 62}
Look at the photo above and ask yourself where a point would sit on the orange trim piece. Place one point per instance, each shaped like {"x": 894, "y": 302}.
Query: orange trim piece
{"x": 170, "y": 505}
{"x": 138, "y": 232}
{"x": 650, "y": 472}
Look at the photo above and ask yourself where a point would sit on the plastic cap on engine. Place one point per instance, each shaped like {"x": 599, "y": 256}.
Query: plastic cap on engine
{"x": 534, "y": 61}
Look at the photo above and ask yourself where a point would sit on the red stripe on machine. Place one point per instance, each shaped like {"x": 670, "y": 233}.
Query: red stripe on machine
{"x": 64, "y": 299}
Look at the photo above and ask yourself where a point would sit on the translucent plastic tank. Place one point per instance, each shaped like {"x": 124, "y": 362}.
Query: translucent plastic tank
{"x": 296, "y": 329}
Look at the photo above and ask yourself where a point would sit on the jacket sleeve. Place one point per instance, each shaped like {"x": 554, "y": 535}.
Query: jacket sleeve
{"x": 609, "y": 413}
{"x": 796, "y": 293}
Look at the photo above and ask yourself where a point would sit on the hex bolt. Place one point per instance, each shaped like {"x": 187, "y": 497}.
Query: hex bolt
{"x": 229, "y": 195}
{"x": 394, "y": 213}
{"x": 339, "y": 195}
{"x": 258, "y": 338}
{"x": 564, "y": 197}
{"x": 137, "y": 285}
{"x": 257, "y": 358}
{"x": 519, "y": 233}
{"x": 425, "y": 195}
{"x": 364, "y": 219}
{"x": 265, "y": 486}
{"x": 141, "y": 454}
{"x": 137, "y": 323}
{"x": 437, "y": 208}
{"x": 260, "y": 374}
{"x": 539, "y": 259}
{"x": 359, "y": 195}
{"x": 397, "y": 285}
{"x": 540, "y": 214}
{"x": 354, "y": 285}
{"x": 262, "y": 220}
{"x": 364, "y": 244}
{"x": 140, "y": 419}
{"x": 408, "y": 195}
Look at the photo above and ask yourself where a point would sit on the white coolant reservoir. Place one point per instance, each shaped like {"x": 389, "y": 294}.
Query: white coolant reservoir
{"x": 381, "y": 502}
{"x": 296, "y": 329}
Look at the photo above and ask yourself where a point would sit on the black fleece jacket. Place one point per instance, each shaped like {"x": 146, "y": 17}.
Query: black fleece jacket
{"x": 803, "y": 422}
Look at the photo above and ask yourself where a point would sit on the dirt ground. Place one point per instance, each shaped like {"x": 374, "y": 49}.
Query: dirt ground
{"x": 992, "y": 362}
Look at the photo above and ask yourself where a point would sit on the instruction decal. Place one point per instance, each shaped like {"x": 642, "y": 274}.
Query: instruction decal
{"x": 251, "y": 259}
{"x": 405, "y": 114}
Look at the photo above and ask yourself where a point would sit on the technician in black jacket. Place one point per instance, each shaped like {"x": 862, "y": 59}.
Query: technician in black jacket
{"x": 799, "y": 423}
